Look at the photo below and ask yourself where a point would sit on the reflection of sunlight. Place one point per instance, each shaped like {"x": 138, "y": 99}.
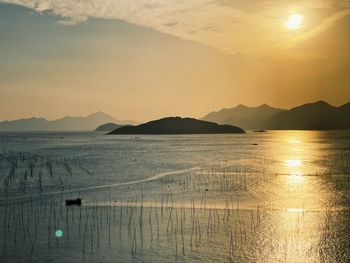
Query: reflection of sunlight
{"x": 295, "y": 194}
{"x": 293, "y": 163}
{"x": 294, "y": 141}
{"x": 296, "y": 178}
{"x": 295, "y": 210}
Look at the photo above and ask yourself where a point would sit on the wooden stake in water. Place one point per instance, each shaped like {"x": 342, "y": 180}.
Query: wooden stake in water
{"x": 85, "y": 229}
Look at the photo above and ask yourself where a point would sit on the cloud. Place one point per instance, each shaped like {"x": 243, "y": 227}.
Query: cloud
{"x": 71, "y": 21}
{"x": 67, "y": 23}
{"x": 231, "y": 26}
{"x": 170, "y": 24}
{"x": 325, "y": 25}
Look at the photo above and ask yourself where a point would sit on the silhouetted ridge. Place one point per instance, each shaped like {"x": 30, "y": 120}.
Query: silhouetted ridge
{"x": 319, "y": 115}
{"x": 178, "y": 125}
{"x": 346, "y": 106}
{"x": 67, "y": 123}
{"x": 312, "y": 116}
{"x": 246, "y": 117}
{"x": 108, "y": 127}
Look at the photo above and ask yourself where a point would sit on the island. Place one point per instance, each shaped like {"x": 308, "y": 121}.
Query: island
{"x": 178, "y": 125}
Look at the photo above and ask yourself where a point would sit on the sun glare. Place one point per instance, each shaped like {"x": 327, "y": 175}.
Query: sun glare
{"x": 294, "y": 21}
{"x": 295, "y": 210}
{"x": 296, "y": 178}
{"x": 293, "y": 163}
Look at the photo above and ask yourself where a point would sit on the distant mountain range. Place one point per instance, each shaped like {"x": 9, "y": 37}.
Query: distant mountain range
{"x": 243, "y": 116}
{"x": 88, "y": 123}
{"x": 312, "y": 116}
{"x": 177, "y": 125}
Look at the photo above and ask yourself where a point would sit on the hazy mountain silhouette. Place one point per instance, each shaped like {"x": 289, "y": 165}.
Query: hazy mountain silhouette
{"x": 67, "y": 123}
{"x": 108, "y": 127}
{"x": 243, "y": 116}
{"x": 177, "y": 125}
{"x": 312, "y": 116}
{"x": 345, "y": 107}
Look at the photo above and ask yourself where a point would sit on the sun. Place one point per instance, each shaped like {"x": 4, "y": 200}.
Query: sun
{"x": 294, "y": 21}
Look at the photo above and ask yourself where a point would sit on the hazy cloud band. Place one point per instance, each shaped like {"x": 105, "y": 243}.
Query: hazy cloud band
{"x": 220, "y": 24}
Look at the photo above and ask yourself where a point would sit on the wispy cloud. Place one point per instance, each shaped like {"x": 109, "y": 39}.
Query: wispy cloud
{"x": 325, "y": 25}
{"x": 230, "y": 26}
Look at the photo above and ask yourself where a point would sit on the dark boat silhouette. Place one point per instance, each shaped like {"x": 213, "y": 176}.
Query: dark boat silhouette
{"x": 76, "y": 201}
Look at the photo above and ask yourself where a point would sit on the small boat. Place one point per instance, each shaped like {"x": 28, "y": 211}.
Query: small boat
{"x": 259, "y": 131}
{"x": 76, "y": 201}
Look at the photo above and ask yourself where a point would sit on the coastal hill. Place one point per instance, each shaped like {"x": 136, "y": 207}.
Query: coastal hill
{"x": 178, "y": 125}
{"x": 68, "y": 123}
{"x": 108, "y": 127}
{"x": 311, "y": 116}
{"x": 243, "y": 116}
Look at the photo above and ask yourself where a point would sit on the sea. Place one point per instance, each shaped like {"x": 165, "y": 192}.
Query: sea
{"x": 274, "y": 196}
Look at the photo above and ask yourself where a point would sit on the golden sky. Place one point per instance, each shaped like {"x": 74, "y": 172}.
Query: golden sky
{"x": 145, "y": 59}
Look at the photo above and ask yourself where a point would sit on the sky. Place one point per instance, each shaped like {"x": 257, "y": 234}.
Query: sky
{"x": 146, "y": 59}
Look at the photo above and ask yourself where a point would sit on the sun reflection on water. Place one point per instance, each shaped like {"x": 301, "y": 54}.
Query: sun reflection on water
{"x": 298, "y": 197}
{"x": 295, "y": 210}
{"x": 296, "y": 178}
{"x": 294, "y": 141}
{"x": 293, "y": 163}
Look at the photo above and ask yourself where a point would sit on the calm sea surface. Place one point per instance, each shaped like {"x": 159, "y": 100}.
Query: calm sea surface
{"x": 279, "y": 196}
